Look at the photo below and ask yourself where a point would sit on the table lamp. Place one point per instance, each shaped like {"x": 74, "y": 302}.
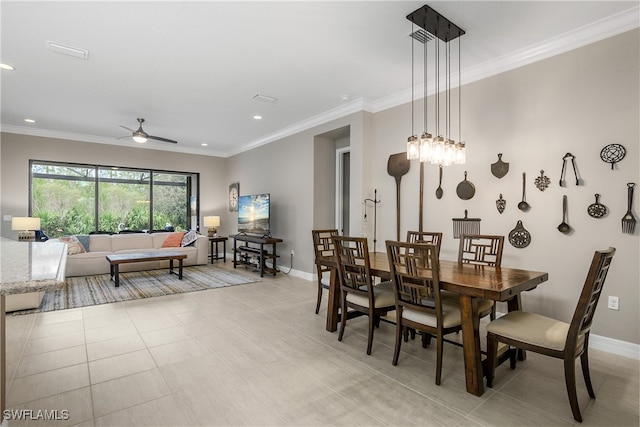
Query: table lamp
{"x": 211, "y": 222}
{"x": 26, "y": 227}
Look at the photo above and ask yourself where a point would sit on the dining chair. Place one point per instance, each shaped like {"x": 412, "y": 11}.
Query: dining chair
{"x": 414, "y": 271}
{"x": 432, "y": 237}
{"x": 357, "y": 290}
{"x": 323, "y": 248}
{"x": 550, "y": 337}
{"x": 482, "y": 249}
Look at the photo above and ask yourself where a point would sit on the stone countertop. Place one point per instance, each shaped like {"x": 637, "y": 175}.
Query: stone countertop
{"x": 31, "y": 266}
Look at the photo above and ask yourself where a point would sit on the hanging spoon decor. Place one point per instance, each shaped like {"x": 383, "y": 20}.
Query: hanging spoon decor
{"x": 501, "y": 204}
{"x": 542, "y": 182}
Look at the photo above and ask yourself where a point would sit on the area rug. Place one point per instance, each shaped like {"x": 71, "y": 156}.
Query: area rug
{"x": 93, "y": 290}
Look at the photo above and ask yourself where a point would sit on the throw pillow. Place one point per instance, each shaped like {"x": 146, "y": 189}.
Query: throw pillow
{"x": 84, "y": 239}
{"x": 73, "y": 245}
{"x": 173, "y": 240}
{"x": 189, "y": 238}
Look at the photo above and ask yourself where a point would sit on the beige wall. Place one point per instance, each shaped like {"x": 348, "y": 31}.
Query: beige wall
{"x": 17, "y": 150}
{"x": 576, "y": 102}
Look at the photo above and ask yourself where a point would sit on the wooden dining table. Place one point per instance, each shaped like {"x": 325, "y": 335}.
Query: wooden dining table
{"x": 470, "y": 282}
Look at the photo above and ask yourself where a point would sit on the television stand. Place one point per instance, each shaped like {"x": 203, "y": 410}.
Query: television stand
{"x": 256, "y": 247}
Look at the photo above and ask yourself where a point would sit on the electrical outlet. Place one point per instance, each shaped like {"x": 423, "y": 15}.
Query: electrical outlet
{"x": 292, "y": 254}
{"x": 613, "y": 303}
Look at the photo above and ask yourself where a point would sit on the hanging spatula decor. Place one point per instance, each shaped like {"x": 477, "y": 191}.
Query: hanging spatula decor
{"x": 519, "y": 237}
{"x": 597, "y": 209}
{"x": 499, "y": 168}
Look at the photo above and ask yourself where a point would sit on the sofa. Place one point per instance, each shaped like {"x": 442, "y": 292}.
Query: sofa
{"x": 92, "y": 260}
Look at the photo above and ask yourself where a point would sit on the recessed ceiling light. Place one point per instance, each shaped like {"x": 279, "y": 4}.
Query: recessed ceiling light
{"x": 29, "y": 120}
{"x": 204, "y": 144}
{"x": 257, "y": 117}
{"x": 6, "y": 67}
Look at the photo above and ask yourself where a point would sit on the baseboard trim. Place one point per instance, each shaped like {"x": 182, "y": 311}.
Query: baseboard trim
{"x": 617, "y": 347}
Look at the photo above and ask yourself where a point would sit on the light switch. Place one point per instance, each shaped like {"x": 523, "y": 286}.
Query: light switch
{"x": 6, "y": 218}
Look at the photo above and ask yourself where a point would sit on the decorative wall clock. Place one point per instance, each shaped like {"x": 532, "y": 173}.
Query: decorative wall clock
{"x": 234, "y": 193}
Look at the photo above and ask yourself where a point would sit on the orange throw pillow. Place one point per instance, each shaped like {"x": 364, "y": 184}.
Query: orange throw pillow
{"x": 173, "y": 240}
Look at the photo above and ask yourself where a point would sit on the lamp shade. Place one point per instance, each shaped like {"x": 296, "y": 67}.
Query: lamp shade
{"x": 25, "y": 223}
{"x": 211, "y": 221}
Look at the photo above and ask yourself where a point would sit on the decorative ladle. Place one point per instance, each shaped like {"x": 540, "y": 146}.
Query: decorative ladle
{"x": 523, "y": 205}
{"x": 564, "y": 227}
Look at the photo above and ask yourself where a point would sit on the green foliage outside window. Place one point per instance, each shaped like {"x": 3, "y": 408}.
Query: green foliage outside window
{"x": 64, "y": 198}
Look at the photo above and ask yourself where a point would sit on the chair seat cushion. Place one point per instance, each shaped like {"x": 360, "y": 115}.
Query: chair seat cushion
{"x": 484, "y": 305}
{"x": 450, "y": 315}
{"x": 383, "y": 296}
{"x": 532, "y": 328}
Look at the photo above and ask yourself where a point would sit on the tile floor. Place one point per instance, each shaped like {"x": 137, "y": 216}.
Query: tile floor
{"x": 257, "y": 355}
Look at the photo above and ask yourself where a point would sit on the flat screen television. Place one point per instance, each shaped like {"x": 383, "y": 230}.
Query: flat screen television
{"x": 253, "y": 214}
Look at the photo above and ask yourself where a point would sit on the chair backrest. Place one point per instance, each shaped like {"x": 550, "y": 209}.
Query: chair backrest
{"x": 481, "y": 249}
{"x": 352, "y": 258}
{"x": 414, "y": 271}
{"x": 322, "y": 243}
{"x": 586, "y": 308}
{"x": 435, "y": 238}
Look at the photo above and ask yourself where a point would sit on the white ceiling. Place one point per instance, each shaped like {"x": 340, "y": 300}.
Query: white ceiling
{"x": 191, "y": 69}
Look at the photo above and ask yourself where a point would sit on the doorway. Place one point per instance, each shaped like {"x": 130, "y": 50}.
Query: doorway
{"x": 343, "y": 185}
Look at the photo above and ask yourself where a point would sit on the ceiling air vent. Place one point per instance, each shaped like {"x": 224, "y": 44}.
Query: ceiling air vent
{"x": 264, "y": 98}
{"x": 422, "y": 36}
{"x": 67, "y": 50}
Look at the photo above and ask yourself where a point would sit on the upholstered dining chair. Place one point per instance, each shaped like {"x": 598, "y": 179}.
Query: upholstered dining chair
{"x": 482, "y": 249}
{"x": 544, "y": 335}
{"x": 357, "y": 290}
{"x": 432, "y": 237}
{"x": 414, "y": 271}
{"x": 323, "y": 248}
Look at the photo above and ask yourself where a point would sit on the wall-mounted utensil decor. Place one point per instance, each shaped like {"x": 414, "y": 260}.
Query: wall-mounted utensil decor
{"x": 597, "y": 209}
{"x": 375, "y": 202}
{"x": 564, "y": 168}
{"x": 612, "y": 153}
{"x": 523, "y": 205}
{"x": 519, "y": 237}
{"x": 542, "y": 182}
{"x": 397, "y": 166}
{"x": 439, "y": 189}
{"x": 465, "y": 226}
{"x": 465, "y": 189}
{"x": 628, "y": 220}
{"x": 501, "y": 204}
{"x": 499, "y": 168}
{"x": 564, "y": 227}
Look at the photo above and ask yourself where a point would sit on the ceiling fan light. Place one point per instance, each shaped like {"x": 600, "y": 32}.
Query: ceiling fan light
{"x": 140, "y": 139}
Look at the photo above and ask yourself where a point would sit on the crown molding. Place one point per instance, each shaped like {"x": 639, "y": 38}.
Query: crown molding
{"x": 582, "y": 36}
{"x": 333, "y": 114}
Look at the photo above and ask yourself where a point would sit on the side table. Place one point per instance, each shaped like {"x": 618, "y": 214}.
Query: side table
{"x": 215, "y": 254}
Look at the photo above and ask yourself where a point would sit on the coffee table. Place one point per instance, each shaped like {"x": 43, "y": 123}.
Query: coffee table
{"x": 116, "y": 259}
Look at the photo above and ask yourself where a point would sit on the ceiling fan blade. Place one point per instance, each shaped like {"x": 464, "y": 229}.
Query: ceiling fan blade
{"x": 124, "y": 127}
{"x": 162, "y": 139}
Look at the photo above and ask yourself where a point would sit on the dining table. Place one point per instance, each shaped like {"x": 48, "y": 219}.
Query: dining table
{"x": 471, "y": 282}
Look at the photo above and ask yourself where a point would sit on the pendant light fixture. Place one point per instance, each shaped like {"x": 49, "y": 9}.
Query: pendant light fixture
{"x": 441, "y": 150}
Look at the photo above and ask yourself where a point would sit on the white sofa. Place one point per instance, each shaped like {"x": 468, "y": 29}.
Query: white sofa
{"x": 94, "y": 261}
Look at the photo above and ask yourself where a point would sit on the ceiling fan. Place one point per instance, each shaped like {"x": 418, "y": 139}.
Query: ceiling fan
{"x": 141, "y": 136}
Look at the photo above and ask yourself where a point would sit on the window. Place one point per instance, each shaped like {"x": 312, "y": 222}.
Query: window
{"x": 79, "y": 199}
